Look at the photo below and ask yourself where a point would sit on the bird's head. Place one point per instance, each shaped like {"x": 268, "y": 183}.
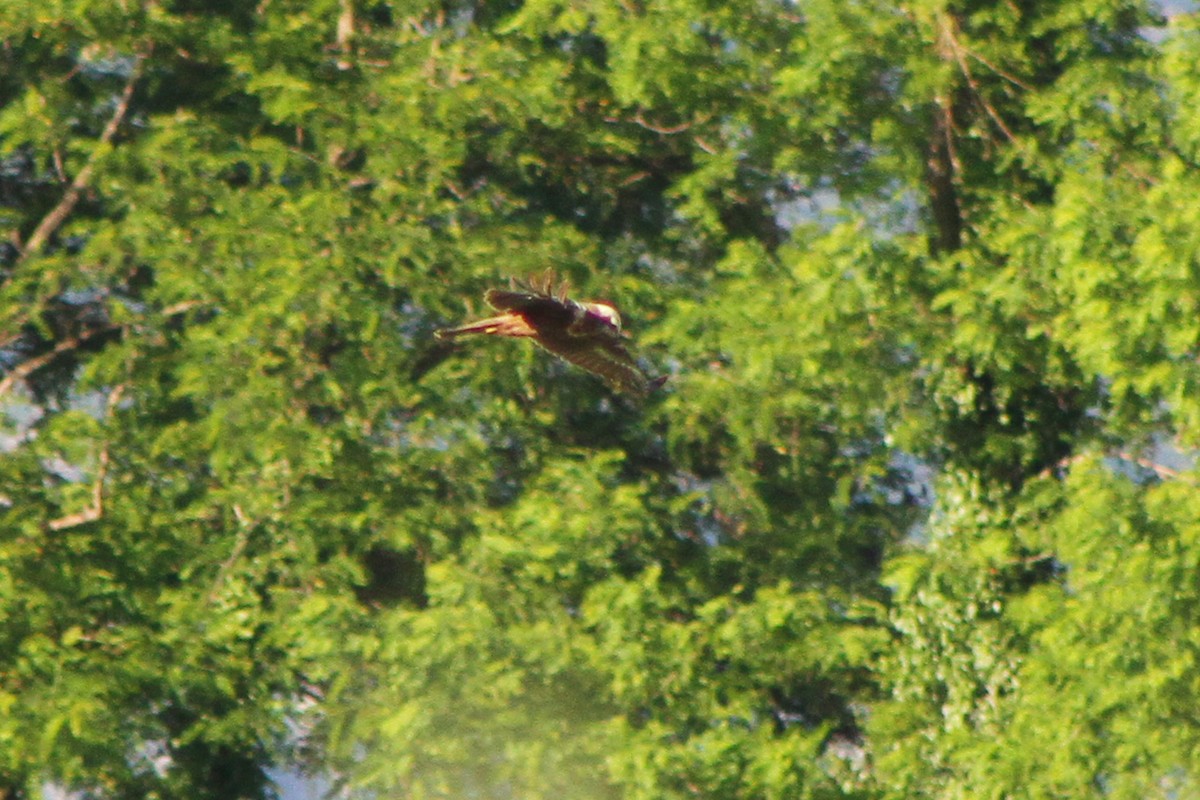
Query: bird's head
{"x": 605, "y": 313}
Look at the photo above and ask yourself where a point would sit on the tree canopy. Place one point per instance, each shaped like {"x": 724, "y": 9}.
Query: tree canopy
{"x": 916, "y": 514}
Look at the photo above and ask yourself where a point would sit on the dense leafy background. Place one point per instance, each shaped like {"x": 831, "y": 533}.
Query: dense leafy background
{"x": 914, "y": 516}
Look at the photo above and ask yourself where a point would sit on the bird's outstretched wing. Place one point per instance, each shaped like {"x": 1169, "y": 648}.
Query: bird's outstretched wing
{"x": 587, "y": 335}
{"x": 605, "y": 357}
{"x": 537, "y": 296}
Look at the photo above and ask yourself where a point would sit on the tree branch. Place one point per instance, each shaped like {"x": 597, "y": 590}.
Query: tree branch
{"x": 941, "y": 176}
{"x": 95, "y": 509}
{"x": 58, "y": 215}
{"x": 25, "y": 368}
{"x": 239, "y": 546}
{"x": 960, "y": 53}
{"x": 1161, "y": 471}
{"x": 663, "y": 130}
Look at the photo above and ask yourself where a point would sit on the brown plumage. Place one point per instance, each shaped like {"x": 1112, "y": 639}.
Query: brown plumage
{"x": 586, "y": 334}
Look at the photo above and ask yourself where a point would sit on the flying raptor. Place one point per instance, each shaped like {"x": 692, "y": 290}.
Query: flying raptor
{"x": 588, "y": 335}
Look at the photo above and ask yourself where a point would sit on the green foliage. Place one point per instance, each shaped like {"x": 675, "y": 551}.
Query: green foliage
{"x": 923, "y": 277}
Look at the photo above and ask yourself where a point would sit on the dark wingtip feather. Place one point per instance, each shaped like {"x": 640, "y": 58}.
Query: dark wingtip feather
{"x": 545, "y": 285}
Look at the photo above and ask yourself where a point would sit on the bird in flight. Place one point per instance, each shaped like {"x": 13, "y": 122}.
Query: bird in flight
{"x": 588, "y": 335}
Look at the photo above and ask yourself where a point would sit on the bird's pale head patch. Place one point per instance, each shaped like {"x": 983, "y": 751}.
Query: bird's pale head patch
{"x": 605, "y": 312}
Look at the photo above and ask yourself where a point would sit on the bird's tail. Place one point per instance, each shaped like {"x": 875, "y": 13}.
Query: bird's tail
{"x": 503, "y": 325}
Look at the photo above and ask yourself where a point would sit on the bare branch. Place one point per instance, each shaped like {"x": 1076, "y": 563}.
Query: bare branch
{"x": 175, "y": 309}
{"x": 239, "y": 546}
{"x": 345, "y": 25}
{"x": 10, "y": 339}
{"x": 25, "y": 368}
{"x": 58, "y": 215}
{"x": 665, "y": 130}
{"x": 1161, "y": 471}
{"x": 1010, "y": 78}
{"x": 959, "y": 52}
{"x": 345, "y": 34}
{"x": 94, "y": 510}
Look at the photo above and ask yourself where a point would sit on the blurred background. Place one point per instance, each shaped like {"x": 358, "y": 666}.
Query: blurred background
{"x": 916, "y": 514}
